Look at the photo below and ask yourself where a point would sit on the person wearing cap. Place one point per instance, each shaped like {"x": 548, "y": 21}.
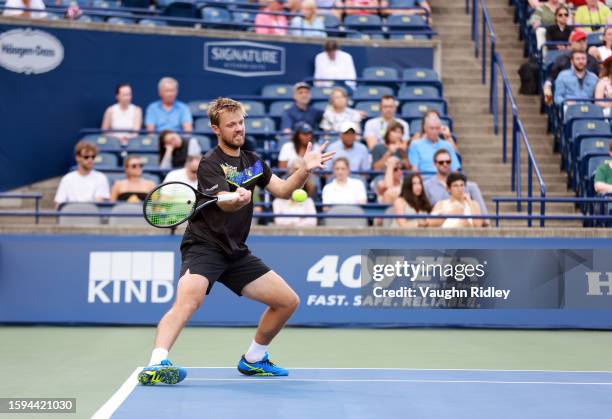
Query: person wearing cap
{"x": 300, "y": 111}
{"x": 338, "y": 111}
{"x": 296, "y": 148}
{"x": 376, "y": 128}
{"x": 603, "y": 90}
{"x": 274, "y": 23}
{"x": 421, "y": 152}
{"x": 592, "y": 14}
{"x": 575, "y": 82}
{"x": 334, "y": 64}
{"x": 347, "y": 146}
{"x": 578, "y": 42}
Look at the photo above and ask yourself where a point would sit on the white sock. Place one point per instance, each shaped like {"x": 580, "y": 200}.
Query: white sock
{"x": 256, "y": 352}
{"x": 158, "y": 355}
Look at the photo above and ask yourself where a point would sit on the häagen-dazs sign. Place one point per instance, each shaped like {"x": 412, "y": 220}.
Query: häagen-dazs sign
{"x": 30, "y": 51}
{"x": 244, "y": 59}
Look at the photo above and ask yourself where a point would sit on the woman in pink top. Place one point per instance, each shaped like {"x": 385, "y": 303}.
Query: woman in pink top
{"x": 271, "y": 23}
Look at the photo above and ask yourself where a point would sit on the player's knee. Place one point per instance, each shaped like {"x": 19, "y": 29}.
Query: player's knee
{"x": 293, "y": 302}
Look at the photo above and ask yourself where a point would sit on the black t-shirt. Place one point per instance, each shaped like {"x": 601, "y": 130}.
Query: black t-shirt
{"x": 219, "y": 172}
{"x": 554, "y": 33}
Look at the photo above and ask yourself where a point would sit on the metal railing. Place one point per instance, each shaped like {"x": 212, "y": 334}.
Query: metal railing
{"x": 35, "y": 196}
{"x": 480, "y": 16}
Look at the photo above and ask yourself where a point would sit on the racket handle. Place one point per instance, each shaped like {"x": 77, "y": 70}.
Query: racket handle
{"x": 227, "y": 197}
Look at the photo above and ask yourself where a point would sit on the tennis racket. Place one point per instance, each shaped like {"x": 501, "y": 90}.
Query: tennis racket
{"x": 173, "y": 203}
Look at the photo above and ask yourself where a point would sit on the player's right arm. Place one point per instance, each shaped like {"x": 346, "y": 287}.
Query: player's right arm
{"x": 244, "y": 197}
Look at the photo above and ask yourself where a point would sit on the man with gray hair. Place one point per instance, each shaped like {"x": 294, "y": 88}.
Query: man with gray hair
{"x": 168, "y": 113}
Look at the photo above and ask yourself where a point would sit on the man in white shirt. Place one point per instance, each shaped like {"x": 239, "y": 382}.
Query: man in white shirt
{"x": 375, "y": 128}
{"x": 334, "y": 64}
{"x": 25, "y": 4}
{"x": 83, "y": 184}
{"x": 344, "y": 189}
{"x": 187, "y": 174}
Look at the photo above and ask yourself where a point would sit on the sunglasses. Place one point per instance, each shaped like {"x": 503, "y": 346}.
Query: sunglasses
{"x": 397, "y": 169}
{"x": 441, "y": 162}
{"x": 135, "y": 165}
{"x": 562, "y": 15}
{"x": 89, "y": 156}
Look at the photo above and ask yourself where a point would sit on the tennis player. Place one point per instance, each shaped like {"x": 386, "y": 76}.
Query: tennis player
{"x": 214, "y": 250}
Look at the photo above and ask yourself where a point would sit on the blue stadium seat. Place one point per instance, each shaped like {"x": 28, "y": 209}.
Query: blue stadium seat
{"x": 277, "y": 91}
{"x": 403, "y": 3}
{"x": 370, "y": 107}
{"x": 320, "y": 93}
{"x": 412, "y": 110}
{"x": 142, "y": 4}
{"x": 149, "y": 160}
{"x": 243, "y": 17}
{"x": 106, "y": 160}
{"x": 583, "y": 110}
{"x": 202, "y": 126}
{"x": 120, "y": 21}
{"x": 152, "y": 23}
{"x": 416, "y": 124}
{"x": 380, "y": 73}
{"x": 215, "y": 15}
{"x": 320, "y": 104}
{"x": 366, "y": 36}
{"x": 254, "y": 108}
{"x": 590, "y": 128}
{"x": 420, "y": 75}
{"x": 595, "y": 39}
{"x": 406, "y": 22}
{"x": 363, "y": 22}
{"x": 371, "y": 92}
{"x": 182, "y": 9}
{"x": 143, "y": 144}
{"x": 589, "y": 148}
{"x": 152, "y": 177}
{"x": 277, "y": 109}
{"x": 407, "y": 36}
{"x": 199, "y": 108}
{"x": 204, "y": 141}
{"x": 114, "y": 177}
{"x": 331, "y": 23}
{"x": 85, "y": 18}
{"x": 418, "y": 92}
{"x": 105, "y": 142}
{"x": 259, "y": 126}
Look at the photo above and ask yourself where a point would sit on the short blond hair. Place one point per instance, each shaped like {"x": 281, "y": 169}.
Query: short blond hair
{"x": 223, "y": 104}
{"x": 85, "y": 145}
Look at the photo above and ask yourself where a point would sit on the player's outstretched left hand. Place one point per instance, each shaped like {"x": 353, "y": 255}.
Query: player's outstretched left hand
{"x": 317, "y": 159}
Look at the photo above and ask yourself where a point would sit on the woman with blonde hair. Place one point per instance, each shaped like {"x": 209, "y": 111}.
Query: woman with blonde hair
{"x": 338, "y": 112}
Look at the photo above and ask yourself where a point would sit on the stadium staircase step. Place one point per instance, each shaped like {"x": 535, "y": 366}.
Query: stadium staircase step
{"x": 468, "y": 101}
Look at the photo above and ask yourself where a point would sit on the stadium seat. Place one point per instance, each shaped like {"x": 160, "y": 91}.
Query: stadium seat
{"x": 388, "y": 222}
{"x": 371, "y": 92}
{"x": 403, "y": 3}
{"x": 106, "y": 143}
{"x": 277, "y": 109}
{"x": 182, "y": 9}
{"x": 259, "y": 126}
{"x": 204, "y": 141}
{"x": 589, "y": 148}
{"x": 583, "y": 110}
{"x": 136, "y": 221}
{"x": 120, "y": 21}
{"x": 320, "y": 104}
{"x": 202, "y": 126}
{"x": 380, "y": 73}
{"x": 114, "y": 177}
{"x": 254, "y": 108}
{"x": 590, "y": 128}
{"x": 331, "y": 23}
{"x": 407, "y": 36}
{"x": 144, "y": 144}
{"x": 142, "y": 4}
{"x": 79, "y": 207}
{"x": 215, "y": 15}
{"x": 418, "y": 92}
{"x": 152, "y": 23}
{"x": 152, "y": 177}
{"x": 106, "y": 160}
{"x": 416, "y": 124}
{"x": 406, "y": 22}
{"x": 420, "y": 75}
{"x": 243, "y": 17}
{"x": 587, "y": 183}
{"x": 277, "y": 91}
{"x": 595, "y": 39}
{"x": 346, "y": 222}
{"x": 417, "y": 109}
{"x": 85, "y": 18}
{"x": 320, "y": 93}
{"x": 149, "y": 160}
{"x": 363, "y": 22}
{"x": 199, "y": 108}
{"x": 366, "y": 36}
{"x": 370, "y": 107}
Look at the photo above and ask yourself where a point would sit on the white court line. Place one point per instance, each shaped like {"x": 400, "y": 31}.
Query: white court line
{"x": 112, "y": 404}
{"x": 414, "y": 369}
{"x": 272, "y": 380}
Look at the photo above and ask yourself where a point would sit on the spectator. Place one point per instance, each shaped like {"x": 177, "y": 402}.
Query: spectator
{"x": 436, "y": 189}
{"x": 292, "y": 6}
{"x": 560, "y": 31}
{"x": 25, "y": 4}
{"x": 575, "y": 82}
{"x": 134, "y": 188}
{"x": 389, "y": 187}
{"x": 603, "y": 90}
{"x": 394, "y": 145}
{"x": 123, "y": 115}
{"x": 370, "y": 5}
{"x": 422, "y": 151}
{"x": 348, "y": 147}
{"x": 424, "y": 8}
{"x": 289, "y": 206}
{"x": 592, "y": 14}
{"x": 344, "y": 189}
{"x": 603, "y": 175}
{"x": 578, "y": 42}
{"x": 459, "y": 203}
{"x": 602, "y": 53}
{"x": 334, "y": 64}
{"x": 301, "y": 110}
{"x": 544, "y": 14}
{"x": 376, "y": 128}
{"x": 338, "y": 112}
{"x": 445, "y": 132}
{"x": 83, "y": 184}
{"x": 273, "y": 23}
{"x": 411, "y": 200}
{"x": 173, "y": 150}
{"x": 295, "y": 149}
{"x": 168, "y": 113}
{"x": 575, "y": 3}
{"x": 328, "y": 7}
{"x": 187, "y": 174}
{"x": 309, "y": 24}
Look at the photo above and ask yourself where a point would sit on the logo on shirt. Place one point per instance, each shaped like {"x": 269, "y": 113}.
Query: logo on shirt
{"x": 244, "y": 59}
{"x": 212, "y": 188}
{"x": 239, "y": 178}
{"x": 30, "y": 51}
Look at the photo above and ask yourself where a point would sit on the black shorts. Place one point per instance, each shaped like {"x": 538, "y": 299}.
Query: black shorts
{"x": 207, "y": 259}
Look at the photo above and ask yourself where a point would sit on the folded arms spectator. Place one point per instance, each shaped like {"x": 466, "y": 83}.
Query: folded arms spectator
{"x": 168, "y": 113}
{"x": 394, "y": 145}
{"x": 334, "y": 64}
{"x": 123, "y": 115}
{"x": 459, "y": 203}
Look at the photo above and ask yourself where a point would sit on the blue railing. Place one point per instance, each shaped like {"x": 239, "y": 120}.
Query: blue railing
{"x": 480, "y": 15}
{"x": 35, "y": 196}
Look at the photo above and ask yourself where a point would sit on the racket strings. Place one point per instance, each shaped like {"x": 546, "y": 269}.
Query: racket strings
{"x": 170, "y": 204}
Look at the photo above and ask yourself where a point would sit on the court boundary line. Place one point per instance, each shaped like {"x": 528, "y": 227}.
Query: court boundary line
{"x": 117, "y": 399}
{"x": 418, "y": 369}
{"x": 399, "y": 380}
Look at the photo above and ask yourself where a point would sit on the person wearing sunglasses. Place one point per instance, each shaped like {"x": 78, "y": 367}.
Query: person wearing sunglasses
{"x": 560, "y": 31}
{"x": 134, "y": 188}
{"x": 83, "y": 184}
{"x": 437, "y": 190}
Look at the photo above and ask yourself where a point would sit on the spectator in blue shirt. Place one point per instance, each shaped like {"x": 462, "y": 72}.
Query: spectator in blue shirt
{"x": 421, "y": 152}
{"x": 347, "y": 146}
{"x": 575, "y": 82}
{"x": 301, "y": 111}
{"x": 168, "y": 113}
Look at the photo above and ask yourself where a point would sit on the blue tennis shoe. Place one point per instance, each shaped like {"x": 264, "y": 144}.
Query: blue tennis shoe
{"x": 164, "y": 372}
{"x": 263, "y": 368}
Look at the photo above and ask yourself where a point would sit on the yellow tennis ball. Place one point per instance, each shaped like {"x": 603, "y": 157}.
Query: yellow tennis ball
{"x": 299, "y": 195}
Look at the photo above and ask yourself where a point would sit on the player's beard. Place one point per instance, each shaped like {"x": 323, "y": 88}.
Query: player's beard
{"x": 235, "y": 142}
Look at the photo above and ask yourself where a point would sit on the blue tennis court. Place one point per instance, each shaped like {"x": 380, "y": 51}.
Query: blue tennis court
{"x": 369, "y": 393}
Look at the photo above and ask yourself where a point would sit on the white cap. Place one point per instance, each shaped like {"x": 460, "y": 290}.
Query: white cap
{"x": 348, "y": 125}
